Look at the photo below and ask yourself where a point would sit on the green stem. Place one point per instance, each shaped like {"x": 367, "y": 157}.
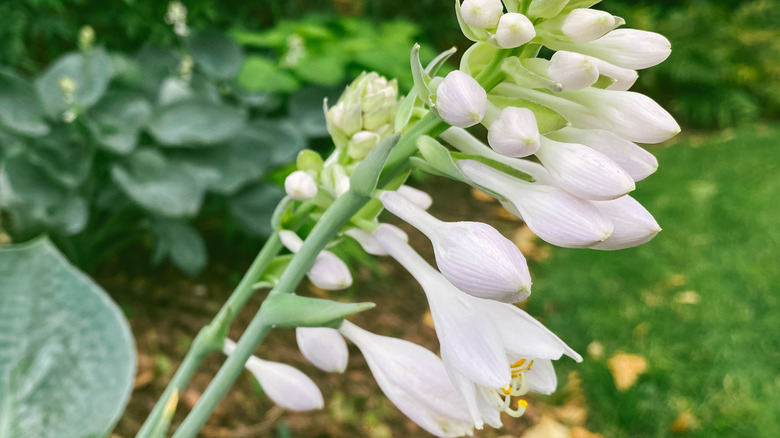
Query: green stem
{"x": 431, "y": 124}
{"x": 210, "y": 338}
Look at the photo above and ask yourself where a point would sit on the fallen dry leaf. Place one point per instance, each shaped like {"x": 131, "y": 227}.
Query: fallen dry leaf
{"x": 687, "y": 297}
{"x": 529, "y": 244}
{"x": 595, "y": 350}
{"x": 685, "y": 422}
{"x": 581, "y": 432}
{"x": 626, "y": 368}
{"x": 480, "y": 195}
{"x": 547, "y": 427}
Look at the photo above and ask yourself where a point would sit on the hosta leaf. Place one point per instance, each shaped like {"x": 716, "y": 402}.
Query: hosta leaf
{"x": 182, "y": 243}
{"x": 283, "y": 136}
{"x": 20, "y": 110}
{"x": 216, "y": 54}
{"x": 306, "y": 109}
{"x": 195, "y": 122}
{"x": 67, "y": 356}
{"x": 261, "y": 74}
{"x": 157, "y": 185}
{"x": 91, "y": 74}
{"x": 253, "y": 207}
{"x": 117, "y": 119}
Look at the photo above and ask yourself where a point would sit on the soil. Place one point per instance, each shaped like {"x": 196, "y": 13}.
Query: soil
{"x": 166, "y": 309}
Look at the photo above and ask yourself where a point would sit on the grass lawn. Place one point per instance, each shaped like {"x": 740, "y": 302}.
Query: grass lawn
{"x": 699, "y": 302}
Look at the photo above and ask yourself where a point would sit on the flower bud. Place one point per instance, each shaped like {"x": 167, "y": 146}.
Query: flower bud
{"x": 473, "y": 256}
{"x": 300, "y": 186}
{"x": 361, "y": 144}
{"x": 514, "y": 30}
{"x": 572, "y": 70}
{"x": 285, "y": 385}
{"x": 323, "y": 347}
{"x": 552, "y": 214}
{"x": 483, "y": 14}
{"x": 346, "y": 117}
{"x": 583, "y": 171}
{"x": 630, "y": 115}
{"x": 328, "y": 271}
{"x": 460, "y": 100}
{"x": 634, "y": 225}
{"x": 417, "y": 196}
{"x": 369, "y": 243}
{"x": 635, "y": 160}
{"x": 624, "y": 78}
{"x": 515, "y": 133}
{"x": 583, "y": 25}
{"x": 628, "y": 48}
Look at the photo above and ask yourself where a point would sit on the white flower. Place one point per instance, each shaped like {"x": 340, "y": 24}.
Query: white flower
{"x": 635, "y": 160}
{"x": 630, "y": 115}
{"x": 572, "y": 70}
{"x": 634, "y": 225}
{"x": 324, "y": 347}
{"x": 417, "y": 196}
{"x": 628, "y": 48}
{"x": 369, "y": 243}
{"x": 483, "y": 14}
{"x": 328, "y": 271}
{"x": 478, "y": 338}
{"x": 415, "y": 380}
{"x": 285, "y": 385}
{"x": 624, "y": 77}
{"x": 582, "y": 25}
{"x": 583, "y": 171}
{"x": 514, "y": 30}
{"x": 551, "y": 213}
{"x": 473, "y": 256}
{"x": 515, "y": 133}
{"x": 300, "y": 186}
{"x": 460, "y": 100}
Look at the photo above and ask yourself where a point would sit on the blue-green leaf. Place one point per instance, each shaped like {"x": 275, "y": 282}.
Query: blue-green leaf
{"x": 90, "y": 73}
{"x": 195, "y": 122}
{"x": 216, "y": 54}
{"x": 67, "y": 356}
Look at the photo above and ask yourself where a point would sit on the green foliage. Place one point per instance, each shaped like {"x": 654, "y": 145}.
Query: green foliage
{"x": 102, "y": 149}
{"x": 699, "y": 301}
{"x": 725, "y": 58}
{"x": 67, "y": 357}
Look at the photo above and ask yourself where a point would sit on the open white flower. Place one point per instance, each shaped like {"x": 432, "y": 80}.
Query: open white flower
{"x": 328, "y": 272}
{"x": 473, "y": 256}
{"x": 415, "y": 380}
{"x": 583, "y": 171}
{"x": 285, "y": 385}
{"x": 460, "y": 100}
{"x": 478, "y": 339}
{"x": 552, "y": 214}
{"x": 324, "y": 347}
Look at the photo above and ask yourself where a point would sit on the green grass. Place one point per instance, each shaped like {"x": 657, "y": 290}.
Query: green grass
{"x": 719, "y": 205}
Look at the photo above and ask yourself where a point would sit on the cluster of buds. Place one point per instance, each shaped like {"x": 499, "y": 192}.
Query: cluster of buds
{"x": 176, "y": 15}
{"x": 561, "y": 154}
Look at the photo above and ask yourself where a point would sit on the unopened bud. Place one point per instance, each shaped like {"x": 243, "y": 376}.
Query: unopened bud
{"x": 572, "y": 71}
{"x": 421, "y": 199}
{"x": 583, "y": 25}
{"x": 328, "y": 271}
{"x": 460, "y": 100}
{"x": 515, "y": 133}
{"x": 300, "y": 186}
{"x": 514, "y": 30}
{"x": 483, "y": 14}
{"x": 634, "y": 225}
{"x": 324, "y": 347}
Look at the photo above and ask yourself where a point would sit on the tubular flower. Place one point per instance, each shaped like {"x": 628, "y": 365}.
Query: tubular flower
{"x": 323, "y": 347}
{"x": 369, "y": 243}
{"x": 285, "y": 385}
{"x": 415, "y": 380}
{"x": 515, "y": 133}
{"x": 473, "y": 256}
{"x": 479, "y": 338}
{"x": 460, "y": 100}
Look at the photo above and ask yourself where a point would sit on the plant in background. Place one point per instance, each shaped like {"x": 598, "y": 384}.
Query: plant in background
{"x": 573, "y": 113}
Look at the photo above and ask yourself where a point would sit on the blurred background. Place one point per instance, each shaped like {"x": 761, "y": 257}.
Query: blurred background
{"x": 155, "y": 157}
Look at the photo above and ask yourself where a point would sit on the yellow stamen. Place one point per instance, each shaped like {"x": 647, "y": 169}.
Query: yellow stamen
{"x": 519, "y": 363}
{"x": 522, "y": 403}
{"x": 507, "y": 390}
